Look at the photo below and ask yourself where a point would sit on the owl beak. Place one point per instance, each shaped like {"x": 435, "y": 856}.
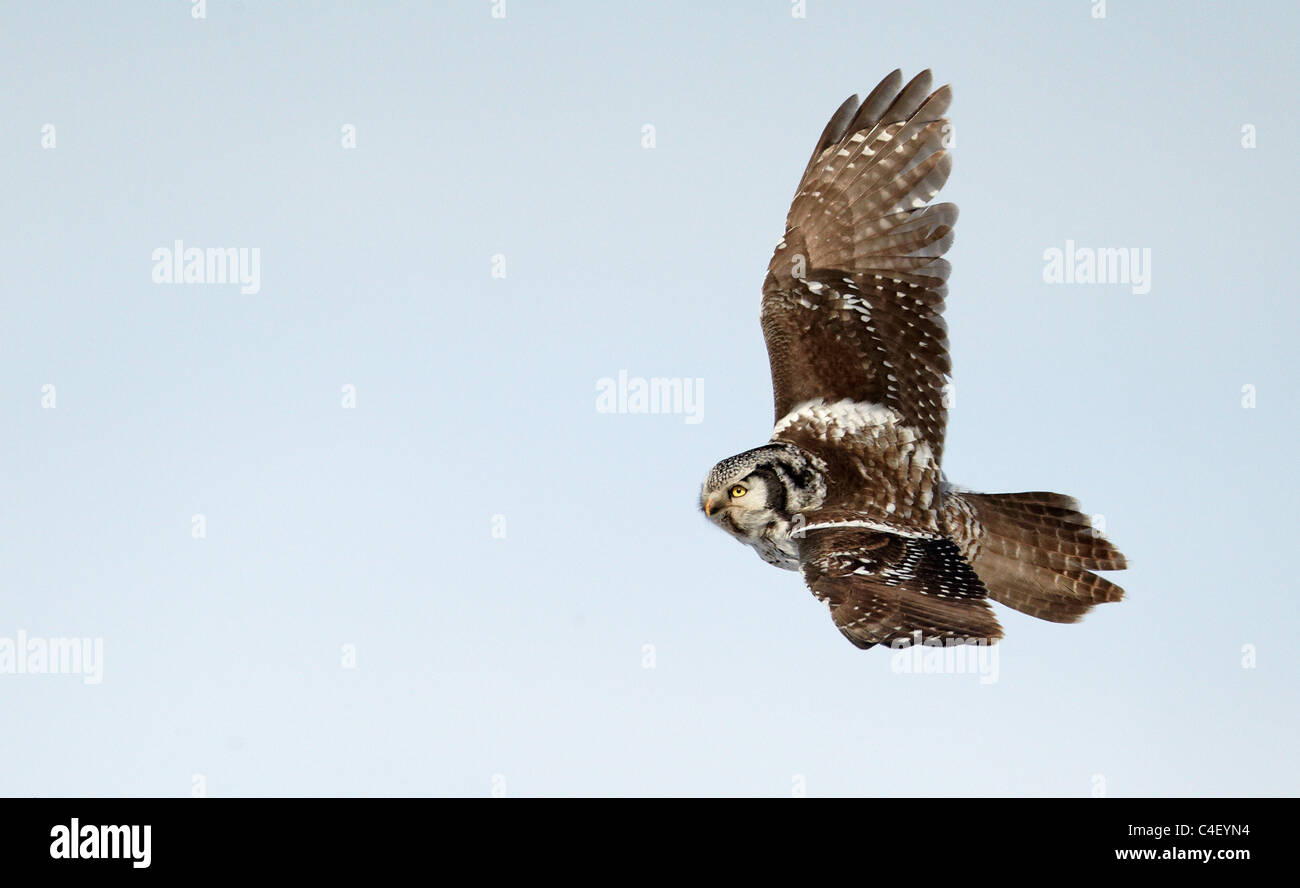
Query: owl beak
{"x": 713, "y": 504}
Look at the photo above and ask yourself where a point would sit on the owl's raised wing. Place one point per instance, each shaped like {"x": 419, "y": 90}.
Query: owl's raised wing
{"x": 854, "y": 295}
{"x": 882, "y": 587}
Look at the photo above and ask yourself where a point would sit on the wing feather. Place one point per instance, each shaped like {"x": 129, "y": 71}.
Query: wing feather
{"x": 882, "y": 588}
{"x": 854, "y": 296}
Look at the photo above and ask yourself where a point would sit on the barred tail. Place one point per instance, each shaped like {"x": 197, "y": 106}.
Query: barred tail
{"x": 1035, "y": 552}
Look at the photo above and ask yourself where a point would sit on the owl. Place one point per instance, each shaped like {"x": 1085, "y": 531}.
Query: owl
{"x": 849, "y": 490}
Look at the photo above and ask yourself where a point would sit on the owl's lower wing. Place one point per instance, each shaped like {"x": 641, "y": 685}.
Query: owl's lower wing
{"x": 854, "y": 295}
{"x": 881, "y": 586}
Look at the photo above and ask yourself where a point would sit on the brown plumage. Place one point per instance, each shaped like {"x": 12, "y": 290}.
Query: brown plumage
{"x": 850, "y": 490}
{"x": 880, "y": 586}
{"x": 854, "y": 295}
{"x": 1034, "y": 552}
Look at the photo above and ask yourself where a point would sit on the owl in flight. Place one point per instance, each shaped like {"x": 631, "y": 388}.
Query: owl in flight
{"x": 849, "y": 490}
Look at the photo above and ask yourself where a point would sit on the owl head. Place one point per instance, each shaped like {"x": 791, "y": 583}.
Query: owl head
{"x": 752, "y": 493}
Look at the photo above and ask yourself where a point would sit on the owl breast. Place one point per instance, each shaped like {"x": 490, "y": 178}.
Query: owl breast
{"x": 777, "y": 547}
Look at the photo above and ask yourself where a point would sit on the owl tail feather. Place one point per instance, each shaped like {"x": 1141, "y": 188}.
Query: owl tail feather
{"x": 1035, "y": 552}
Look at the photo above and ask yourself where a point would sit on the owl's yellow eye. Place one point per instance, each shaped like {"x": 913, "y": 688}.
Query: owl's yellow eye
{"x": 738, "y": 491}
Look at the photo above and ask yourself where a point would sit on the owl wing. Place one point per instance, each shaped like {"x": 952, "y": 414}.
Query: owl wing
{"x": 882, "y": 587}
{"x": 854, "y": 295}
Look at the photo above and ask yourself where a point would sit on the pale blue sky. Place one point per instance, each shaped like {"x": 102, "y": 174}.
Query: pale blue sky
{"x": 476, "y": 396}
